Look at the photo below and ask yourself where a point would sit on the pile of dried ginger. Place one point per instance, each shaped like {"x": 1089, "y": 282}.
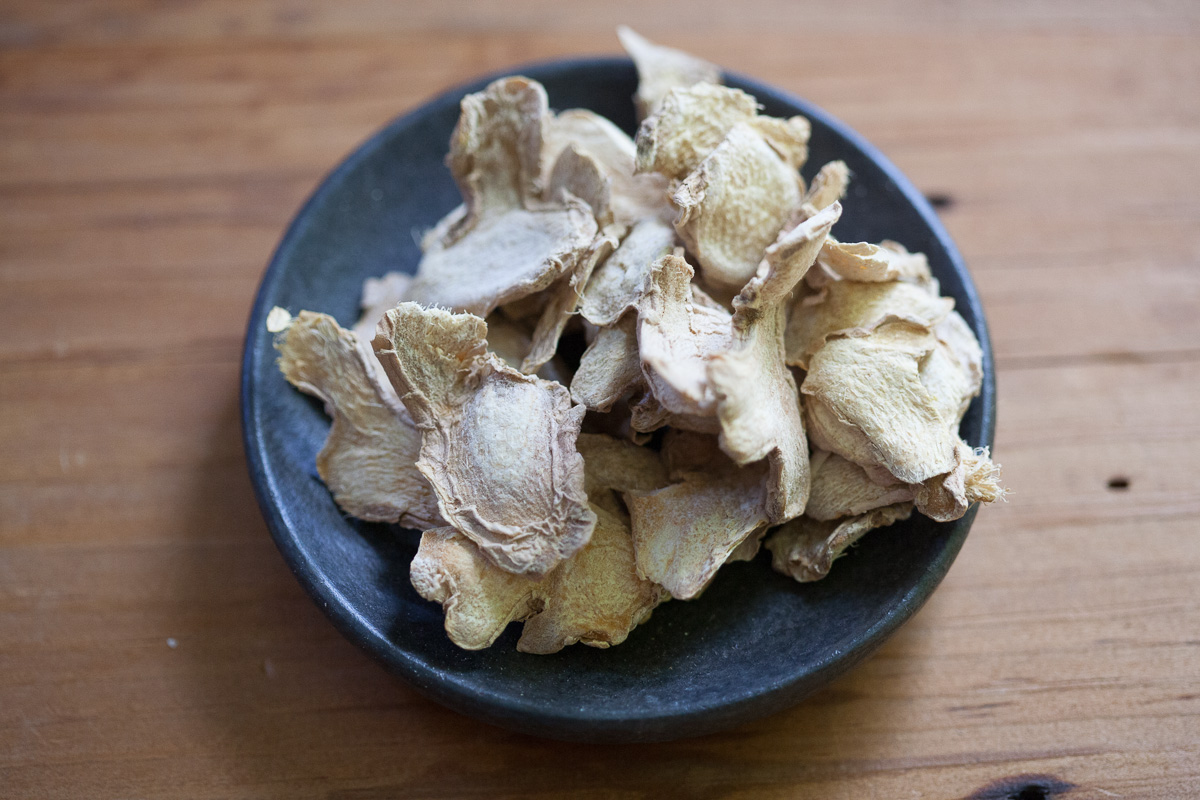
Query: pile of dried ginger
{"x": 746, "y": 375}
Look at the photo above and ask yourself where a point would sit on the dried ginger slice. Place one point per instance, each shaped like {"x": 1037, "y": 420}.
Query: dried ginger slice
{"x": 498, "y": 447}
{"x": 617, "y": 284}
{"x": 805, "y": 548}
{"x": 848, "y": 307}
{"x": 734, "y": 205}
{"x": 677, "y": 338}
{"x": 368, "y": 460}
{"x": 595, "y": 597}
{"x": 647, "y": 414}
{"x": 683, "y": 533}
{"x": 757, "y": 401}
{"x": 828, "y": 187}
{"x": 505, "y": 243}
{"x": 875, "y": 263}
{"x": 610, "y": 368}
{"x": 866, "y": 402}
{"x": 689, "y": 125}
{"x": 841, "y": 488}
{"x": 957, "y": 344}
{"x": 975, "y": 478}
{"x": 632, "y": 197}
{"x": 661, "y": 69}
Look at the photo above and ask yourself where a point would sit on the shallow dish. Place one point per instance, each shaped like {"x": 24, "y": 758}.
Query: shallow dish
{"x": 754, "y": 643}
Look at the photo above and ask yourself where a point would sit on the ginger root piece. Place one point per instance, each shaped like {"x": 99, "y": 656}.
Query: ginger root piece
{"x": 841, "y": 488}
{"x": 595, "y": 597}
{"x": 866, "y": 402}
{"x": 828, "y": 187}
{"x": 498, "y": 447}
{"x": 876, "y": 263}
{"x": 610, "y": 368}
{"x": 805, "y": 549}
{"x": 852, "y": 308}
{"x": 689, "y": 125}
{"x": 734, "y": 205}
{"x": 613, "y": 465}
{"x": 683, "y": 533}
{"x": 617, "y": 284}
{"x": 368, "y": 460}
{"x": 974, "y": 479}
{"x": 677, "y": 338}
{"x": 661, "y": 69}
{"x": 757, "y": 401}
{"x": 787, "y": 137}
{"x": 631, "y": 197}
{"x": 647, "y": 415}
{"x": 505, "y": 242}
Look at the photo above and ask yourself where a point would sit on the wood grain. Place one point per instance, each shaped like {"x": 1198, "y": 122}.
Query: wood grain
{"x": 152, "y": 642}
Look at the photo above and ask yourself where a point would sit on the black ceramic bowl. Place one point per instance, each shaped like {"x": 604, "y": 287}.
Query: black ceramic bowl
{"x": 754, "y": 643}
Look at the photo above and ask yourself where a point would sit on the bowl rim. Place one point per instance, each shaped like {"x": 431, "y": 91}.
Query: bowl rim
{"x": 590, "y": 724}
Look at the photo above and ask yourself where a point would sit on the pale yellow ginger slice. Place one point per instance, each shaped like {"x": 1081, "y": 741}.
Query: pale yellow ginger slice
{"x": 805, "y": 548}
{"x": 677, "y": 339}
{"x": 958, "y": 340}
{"x": 975, "y": 478}
{"x": 631, "y": 197}
{"x": 787, "y": 137}
{"x": 757, "y": 401}
{"x": 618, "y": 283}
{"x": 577, "y": 174}
{"x": 661, "y": 69}
{"x": 827, "y": 187}
{"x": 866, "y": 402}
{"x": 852, "y": 308}
{"x": 610, "y": 368}
{"x": 566, "y": 297}
{"x": 504, "y": 243}
{"x": 841, "y": 488}
{"x": 498, "y": 447}
{"x": 733, "y": 206}
{"x": 683, "y": 533}
{"x": 875, "y": 263}
{"x": 595, "y": 597}
{"x": 690, "y": 124}
{"x": 368, "y": 460}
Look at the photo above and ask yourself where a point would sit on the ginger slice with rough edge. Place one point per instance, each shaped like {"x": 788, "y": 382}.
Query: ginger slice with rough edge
{"x": 566, "y": 297}
{"x": 684, "y": 532}
{"x": 841, "y": 488}
{"x": 661, "y": 69}
{"x": 758, "y": 404}
{"x": 866, "y": 402}
{"x": 828, "y": 187}
{"x": 498, "y": 447}
{"x": 617, "y": 284}
{"x": 734, "y": 205}
{"x": 368, "y": 460}
{"x": 504, "y": 243}
{"x": 961, "y": 346}
{"x": 595, "y": 597}
{"x": 851, "y": 308}
{"x": 875, "y": 263}
{"x": 805, "y": 548}
{"x": 787, "y": 137}
{"x": 975, "y": 478}
{"x": 689, "y": 125}
{"x": 677, "y": 338}
{"x": 610, "y": 368}
{"x": 632, "y": 197}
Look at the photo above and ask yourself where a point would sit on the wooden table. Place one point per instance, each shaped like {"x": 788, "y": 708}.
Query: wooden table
{"x": 152, "y": 642}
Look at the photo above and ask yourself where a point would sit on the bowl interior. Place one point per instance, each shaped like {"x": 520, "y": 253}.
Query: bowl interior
{"x": 753, "y": 643}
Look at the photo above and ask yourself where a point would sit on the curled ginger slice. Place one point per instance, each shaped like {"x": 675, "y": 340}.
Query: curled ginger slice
{"x": 498, "y": 447}
{"x": 368, "y": 460}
